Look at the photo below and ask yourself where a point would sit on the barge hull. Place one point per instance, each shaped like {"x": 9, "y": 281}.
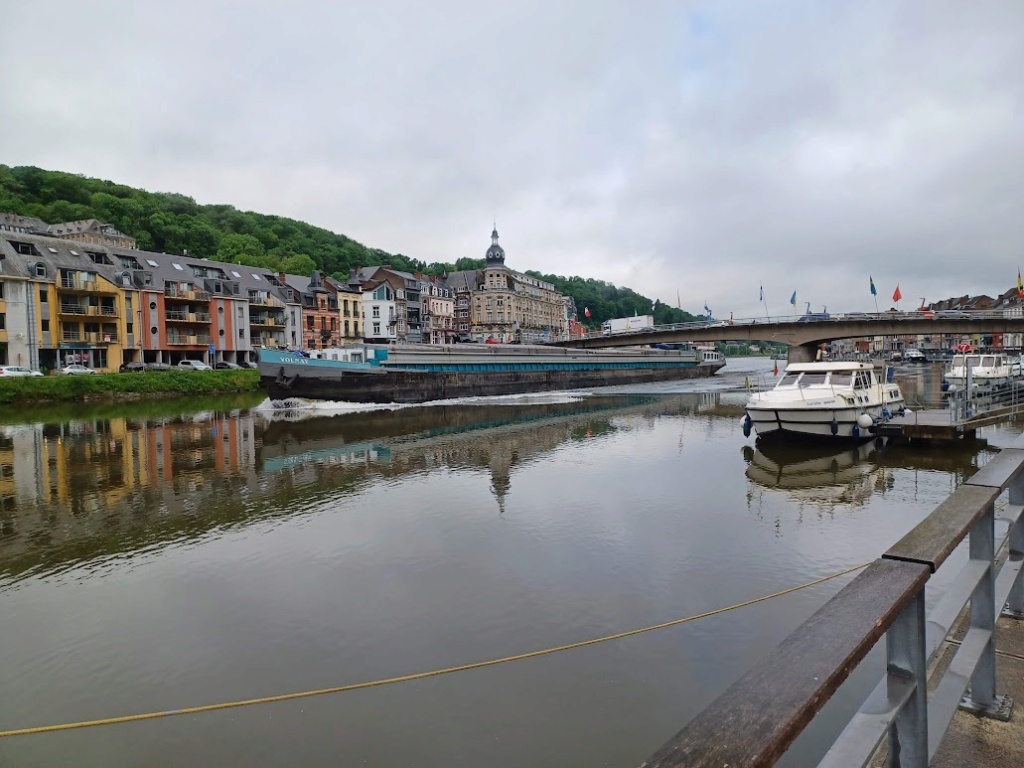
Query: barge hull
{"x": 407, "y": 386}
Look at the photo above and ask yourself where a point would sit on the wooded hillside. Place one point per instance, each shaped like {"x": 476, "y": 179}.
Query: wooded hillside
{"x": 174, "y": 223}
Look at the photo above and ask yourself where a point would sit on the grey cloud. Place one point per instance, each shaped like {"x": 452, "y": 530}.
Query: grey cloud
{"x": 705, "y": 148}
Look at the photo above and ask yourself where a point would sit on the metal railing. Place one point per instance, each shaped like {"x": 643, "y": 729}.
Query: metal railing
{"x": 759, "y": 717}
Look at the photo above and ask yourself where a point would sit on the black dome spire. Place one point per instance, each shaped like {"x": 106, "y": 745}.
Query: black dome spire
{"x": 495, "y": 254}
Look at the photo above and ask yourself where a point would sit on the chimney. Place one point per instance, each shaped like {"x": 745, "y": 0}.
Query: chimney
{"x": 283, "y": 278}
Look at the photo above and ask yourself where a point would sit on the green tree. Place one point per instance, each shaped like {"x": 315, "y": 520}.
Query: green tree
{"x": 298, "y": 265}
{"x": 234, "y": 247}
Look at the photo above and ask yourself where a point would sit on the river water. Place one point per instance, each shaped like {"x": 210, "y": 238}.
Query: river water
{"x": 161, "y": 556}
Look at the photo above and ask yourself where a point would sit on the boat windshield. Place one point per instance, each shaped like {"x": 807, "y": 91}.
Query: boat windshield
{"x": 788, "y": 380}
{"x": 989, "y": 361}
{"x": 812, "y": 379}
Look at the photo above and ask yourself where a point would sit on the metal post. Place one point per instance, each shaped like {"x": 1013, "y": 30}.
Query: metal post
{"x": 981, "y": 699}
{"x": 1014, "y": 607}
{"x": 906, "y": 658}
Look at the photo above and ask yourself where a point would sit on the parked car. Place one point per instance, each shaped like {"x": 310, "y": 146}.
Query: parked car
{"x": 132, "y": 367}
{"x": 951, "y": 314}
{"x": 17, "y": 370}
{"x": 158, "y": 366}
{"x": 194, "y": 365}
{"x": 75, "y": 369}
{"x": 225, "y": 365}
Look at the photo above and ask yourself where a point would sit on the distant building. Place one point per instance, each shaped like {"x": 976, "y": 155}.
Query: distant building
{"x": 499, "y": 304}
{"x": 90, "y": 231}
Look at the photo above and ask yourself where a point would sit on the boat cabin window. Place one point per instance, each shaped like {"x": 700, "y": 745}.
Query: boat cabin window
{"x": 989, "y": 361}
{"x": 788, "y": 380}
{"x": 811, "y": 379}
{"x": 862, "y": 380}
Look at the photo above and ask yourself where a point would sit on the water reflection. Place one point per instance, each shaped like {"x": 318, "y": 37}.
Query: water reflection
{"x": 828, "y": 477}
{"x": 74, "y": 491}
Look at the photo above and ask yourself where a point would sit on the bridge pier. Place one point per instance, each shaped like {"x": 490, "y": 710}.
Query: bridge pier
{"x": 803, "y": 353}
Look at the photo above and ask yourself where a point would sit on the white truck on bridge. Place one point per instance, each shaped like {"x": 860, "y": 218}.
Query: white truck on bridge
{"x": 627, "y": 324}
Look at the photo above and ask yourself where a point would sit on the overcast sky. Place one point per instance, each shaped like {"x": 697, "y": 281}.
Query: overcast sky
{"x": 695, "y": 149}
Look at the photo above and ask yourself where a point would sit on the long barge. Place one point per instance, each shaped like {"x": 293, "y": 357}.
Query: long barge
{"x": 420, "y": 373}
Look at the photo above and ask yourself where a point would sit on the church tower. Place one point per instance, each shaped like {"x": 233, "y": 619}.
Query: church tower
{"x": 495, "y": 254}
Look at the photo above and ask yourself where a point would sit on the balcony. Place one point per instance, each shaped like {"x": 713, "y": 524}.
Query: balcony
{"x": 265, "y": 301}
{"x": 70, "y": 308}
{"x": 272, "y": 322}
{"x": 180, "y": 316}
{"x": 185, "y": 294}
{"x": 78, "y": 282}
{"x": 188, "y": 339}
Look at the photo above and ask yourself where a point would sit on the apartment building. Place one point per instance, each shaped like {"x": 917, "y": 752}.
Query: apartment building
{"x": 502, "y": 305}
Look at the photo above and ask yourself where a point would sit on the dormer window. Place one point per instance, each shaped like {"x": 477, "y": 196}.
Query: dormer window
{"x": 40, "y": 269}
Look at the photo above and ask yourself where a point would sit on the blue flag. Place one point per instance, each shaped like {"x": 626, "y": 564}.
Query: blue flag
{"x": 792, "y": 299}
{"x": 706, "y": 309}
{"x": 873, "y": 291}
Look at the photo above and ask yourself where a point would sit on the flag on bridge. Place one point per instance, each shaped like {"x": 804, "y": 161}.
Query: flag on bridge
{"x": 586, "y": 311}
{"x": 762, "y": 293}
{"x": 874, "y": 291}
{"x": 792, "y": 299}
{"x": 1020, "y": 284}
{"x": 896, "y": 296}
{"x": 706, "y": 309}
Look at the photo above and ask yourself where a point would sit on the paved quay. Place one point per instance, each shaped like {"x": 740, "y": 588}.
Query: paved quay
{"x": 984, "y": 742}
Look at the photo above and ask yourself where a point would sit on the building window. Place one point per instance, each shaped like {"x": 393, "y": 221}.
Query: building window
{"x": 1, "y": 290}
{"x": 3, "y": 321}
{"x": 46, "y": 325}
{"x": 376, "y": 311}
{"x": 309, "y": 322}
{"x": 241, "y": 333}
{"x": 376, "y": 329}
{"x": 44, "y": 295}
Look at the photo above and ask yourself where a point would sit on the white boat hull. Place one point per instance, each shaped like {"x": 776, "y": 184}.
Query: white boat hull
{"x": 780, "y": 423}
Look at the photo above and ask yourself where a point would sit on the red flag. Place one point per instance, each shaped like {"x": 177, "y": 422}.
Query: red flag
{"x": 586, "y": 311}
{"x": 776, "y": 371}
{"x": 897, "y": 295}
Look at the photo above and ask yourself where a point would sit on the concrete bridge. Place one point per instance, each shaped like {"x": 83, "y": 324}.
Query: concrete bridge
{"x": 805, "y": 333}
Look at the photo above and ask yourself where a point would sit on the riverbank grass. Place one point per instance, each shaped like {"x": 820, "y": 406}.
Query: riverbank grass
{"x": 111, "y": 386}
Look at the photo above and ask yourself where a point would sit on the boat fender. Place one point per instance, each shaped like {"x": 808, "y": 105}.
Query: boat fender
{"x": 885, "y": 414}
{"x": 855, "y": 432}
{"x": 944, "y": 386}
{"x": 834, "y": 427}
{"x": 865, "y": 420}
{"x": 747, "y": 424}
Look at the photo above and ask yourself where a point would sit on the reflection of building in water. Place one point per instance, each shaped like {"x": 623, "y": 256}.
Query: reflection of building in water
{"x": 87, "y": 489}
{"x": 60, "y": 482}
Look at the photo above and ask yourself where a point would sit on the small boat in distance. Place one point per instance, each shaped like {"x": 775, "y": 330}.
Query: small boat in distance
{"x": 914, "y": 356}
{"x": 986, "y": 370}
{"x": 832, "y": 401}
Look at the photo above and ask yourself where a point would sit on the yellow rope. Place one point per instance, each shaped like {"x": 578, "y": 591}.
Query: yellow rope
{"x": 417, "y": 675}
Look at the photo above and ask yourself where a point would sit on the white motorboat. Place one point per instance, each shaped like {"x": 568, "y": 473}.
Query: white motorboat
{"x": 986, "y": 370}
{"x": 914, "y": 356}
{"x": 824, "y": 401}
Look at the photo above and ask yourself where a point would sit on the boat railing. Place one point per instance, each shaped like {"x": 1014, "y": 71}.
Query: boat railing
{"x": 756, "y": 720}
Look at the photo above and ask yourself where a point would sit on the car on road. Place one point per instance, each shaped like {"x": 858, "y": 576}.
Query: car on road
{"x": 76, "y": 369}
{"x": 17, "y": 370}
{"x": 951, "y": 314}
{"x": 158, "y": 367}
{"x": 226, "y": 365}
{"x": 193, "y": 365}
{"x": 132, "y": 367}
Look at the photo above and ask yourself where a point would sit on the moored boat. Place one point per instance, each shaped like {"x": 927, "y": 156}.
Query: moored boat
{"x": 833, "y": 401}
{"x": 419, "y": 373}
{"x": 985, "y": 370}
